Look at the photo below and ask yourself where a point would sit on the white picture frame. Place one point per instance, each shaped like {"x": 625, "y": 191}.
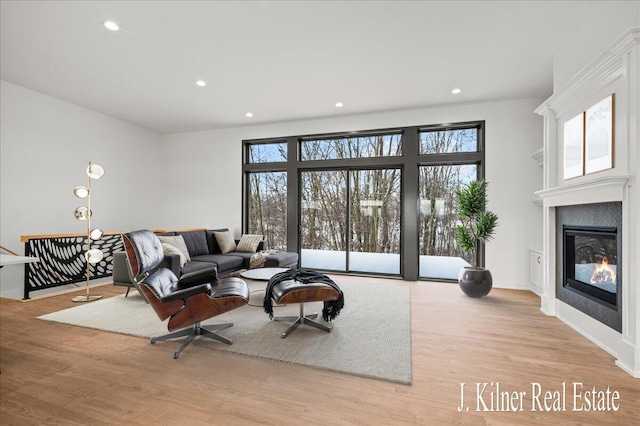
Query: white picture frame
{"x": 574, "y": 147}
{"x": 598, "y": 153}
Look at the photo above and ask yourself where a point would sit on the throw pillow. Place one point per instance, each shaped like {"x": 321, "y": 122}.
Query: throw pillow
{"x": 249, "y": 243}
{"x": 178, "y": 242}
{"x": 214, "y": 248}
{"x": 225, "y": 241}
{"x": 169, "y": 249}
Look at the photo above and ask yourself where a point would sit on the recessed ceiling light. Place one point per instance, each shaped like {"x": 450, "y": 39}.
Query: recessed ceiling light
{"x": 201, "y": 83}
{"x": 339, "y": 104}
{"x": 111, "y": 25}
{"x": 249, "y": 114}
{"x": 456, "y": 91}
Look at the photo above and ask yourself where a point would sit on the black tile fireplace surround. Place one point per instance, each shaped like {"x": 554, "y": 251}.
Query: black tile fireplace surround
{"x": 599, "y": 225}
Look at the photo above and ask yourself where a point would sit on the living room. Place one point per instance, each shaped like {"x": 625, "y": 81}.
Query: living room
{"x": 73, "y": 91}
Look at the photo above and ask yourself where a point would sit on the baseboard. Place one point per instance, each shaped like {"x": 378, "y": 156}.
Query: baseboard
{"x": 535, "y": 290}
{"x": 512, "y": 286}
{"x": 603, "y": 336}
{"x": 58, "y": 293}
{"x": 627, "y": 359}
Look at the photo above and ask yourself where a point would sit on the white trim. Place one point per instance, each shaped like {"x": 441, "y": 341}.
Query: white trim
{"x": 535, "y": 290}
{"x": 600, "y": 190}
{"x": 539, "y": 157}
{"x": 600, "y": 334}
{"x": 600, "y": 72}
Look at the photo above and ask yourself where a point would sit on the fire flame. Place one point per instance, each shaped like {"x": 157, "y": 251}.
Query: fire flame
{"x": 603, "y": 273}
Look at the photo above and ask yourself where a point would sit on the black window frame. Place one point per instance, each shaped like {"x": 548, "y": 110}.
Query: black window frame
{"x": 409, "y": 162}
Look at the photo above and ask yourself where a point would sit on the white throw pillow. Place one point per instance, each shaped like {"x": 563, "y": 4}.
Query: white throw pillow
{"x": 225, "y": 241}
{"x": 178, "y": 242}
{"x": 169, "y": 249}
{"x": 249, "y": 243}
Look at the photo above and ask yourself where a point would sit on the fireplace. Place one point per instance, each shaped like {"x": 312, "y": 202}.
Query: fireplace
{"x": 590, "y": 262}
{"x": 589, "y": 259}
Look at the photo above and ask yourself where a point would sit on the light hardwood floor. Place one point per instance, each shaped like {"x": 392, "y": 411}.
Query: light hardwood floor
{"x": 60, "y": 374}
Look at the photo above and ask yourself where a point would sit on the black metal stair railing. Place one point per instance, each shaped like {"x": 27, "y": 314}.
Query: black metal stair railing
{"x": 62, "y": 259}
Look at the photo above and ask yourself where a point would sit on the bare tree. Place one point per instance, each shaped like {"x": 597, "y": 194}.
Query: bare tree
{"x": 374, "y": 196}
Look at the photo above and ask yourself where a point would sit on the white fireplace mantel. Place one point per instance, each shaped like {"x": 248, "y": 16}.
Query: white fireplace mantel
{"x": 616, "y": 70}
{"x": 602, "y": 190}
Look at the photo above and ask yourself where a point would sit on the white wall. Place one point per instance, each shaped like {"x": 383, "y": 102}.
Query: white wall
{"x": 607, "y": 22}
{"x": 45, "y": 146}
{"x": 206, "y": 167}
{"x": 194, "y": 179}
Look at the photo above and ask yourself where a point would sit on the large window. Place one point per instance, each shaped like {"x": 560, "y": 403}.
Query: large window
{"x": 267, "y": 152}
{"x": 351, "y": 147}
{"x": 267, "y": 206}
{"x": 375, "y": 213}
{"x": 323, "y": 220}
{"x": 448, "y": 141}
{"x": 350, "y": 220}
{"x": 376, "y": 202}
{"x": 458, "y": 148}
{"x": 440, "y": 256}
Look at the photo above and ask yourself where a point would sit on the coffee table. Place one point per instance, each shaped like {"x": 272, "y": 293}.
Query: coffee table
{"x": 261, "y": 274}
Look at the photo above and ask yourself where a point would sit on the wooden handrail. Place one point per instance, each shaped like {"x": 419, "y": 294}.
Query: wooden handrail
{"x": 26, "y": 238}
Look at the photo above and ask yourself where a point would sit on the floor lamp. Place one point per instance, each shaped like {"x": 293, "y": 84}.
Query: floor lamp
{"x": 92, "y": 256}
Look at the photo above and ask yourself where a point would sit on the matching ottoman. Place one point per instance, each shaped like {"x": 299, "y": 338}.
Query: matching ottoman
{"x": 283, "y": 259}
{"x": 301, "y": 286}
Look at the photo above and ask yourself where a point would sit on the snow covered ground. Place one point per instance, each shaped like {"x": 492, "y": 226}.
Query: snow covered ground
{"x": 441, "y": 267}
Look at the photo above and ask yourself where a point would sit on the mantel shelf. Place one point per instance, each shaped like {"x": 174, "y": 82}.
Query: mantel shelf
{"x": 601, "y": 190}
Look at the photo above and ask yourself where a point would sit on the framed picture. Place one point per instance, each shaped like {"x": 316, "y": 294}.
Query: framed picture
{"x": 599, "y": 136}
{"x": 574, "y": 147}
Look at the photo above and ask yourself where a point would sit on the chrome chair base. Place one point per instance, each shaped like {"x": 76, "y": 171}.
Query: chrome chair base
{"x": 301, "y": 319}
{"x": 192, "y": 333}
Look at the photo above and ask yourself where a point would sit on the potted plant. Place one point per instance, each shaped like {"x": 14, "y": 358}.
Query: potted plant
{"x": 477, "y": 226}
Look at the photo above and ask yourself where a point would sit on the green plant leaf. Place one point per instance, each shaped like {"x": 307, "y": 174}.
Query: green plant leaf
{"x": 465, "y": 238}
{"x": 486, "y": 225}
{"x": 478, "y": 224}
{"x": 472, "y": 199}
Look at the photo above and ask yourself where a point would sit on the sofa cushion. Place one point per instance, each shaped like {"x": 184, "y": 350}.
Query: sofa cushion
{"x": 196, "y": 242}
{"x": 178, "y": 242}
{"x": 225, "y": 262}
{"x": 194, "y": 266}
{"x": 249, "y": 243}
{"x": 246, "y": 258}
{"x": 225, "y": 241}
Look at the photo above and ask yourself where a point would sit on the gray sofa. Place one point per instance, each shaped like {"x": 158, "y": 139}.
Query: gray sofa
{"x": 206, "y": 257}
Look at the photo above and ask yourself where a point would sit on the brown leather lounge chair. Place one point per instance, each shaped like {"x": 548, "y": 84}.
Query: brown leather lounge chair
{"x": 185, "y": 307}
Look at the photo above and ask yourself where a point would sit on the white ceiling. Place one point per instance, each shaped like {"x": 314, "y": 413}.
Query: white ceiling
{"x": 280, "y": 60}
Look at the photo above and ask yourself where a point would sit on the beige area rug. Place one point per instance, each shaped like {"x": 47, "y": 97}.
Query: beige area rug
{"x": 371, "y": 337}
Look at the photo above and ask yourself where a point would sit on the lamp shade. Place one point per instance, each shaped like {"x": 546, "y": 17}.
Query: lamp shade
{"x": 94, "y": 256}
{"x": 82, "y": 213}
{"x": 81, "y": 192}
{"x": 95, "y": 171}
{"x": 96, "y": 234}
